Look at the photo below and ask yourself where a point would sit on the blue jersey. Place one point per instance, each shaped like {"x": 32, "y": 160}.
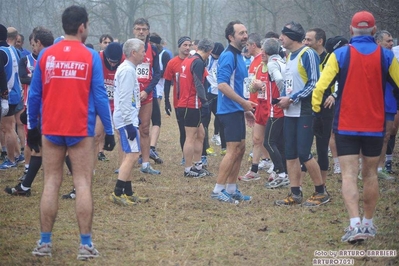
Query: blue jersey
{"x": 231, "y": 70}
{"x": 11, "y": 70}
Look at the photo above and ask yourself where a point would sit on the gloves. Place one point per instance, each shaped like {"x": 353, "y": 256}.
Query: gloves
{"x": 109, "y": 142}
{"x": 23, "y": 117}
{"x": 131, "y": 132}
{"x": 4, "y": 107}
{"x": 318, "y": 126}
{"x": 168, "y": 108}
{"x": 34, "y": 139}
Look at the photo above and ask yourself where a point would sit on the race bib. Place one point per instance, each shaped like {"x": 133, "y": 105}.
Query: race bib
{"x": 110, "y": 91}
{"x": 262, "y": 93}
{"x": 288, "y": 84}
{"x": 143, "y": 71}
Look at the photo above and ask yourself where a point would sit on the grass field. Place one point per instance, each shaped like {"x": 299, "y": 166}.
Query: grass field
{"x": 181, "y": 225}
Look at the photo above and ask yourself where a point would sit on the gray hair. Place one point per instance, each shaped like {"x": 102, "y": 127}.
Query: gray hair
{"x": 379, "y": 35}
{"x": 255, "y": 38}
{"x": 130, "y": 45}
{"x": 362, "y": 32}
{"x": 271, "y": 46}
{"x": 205, "y": 45}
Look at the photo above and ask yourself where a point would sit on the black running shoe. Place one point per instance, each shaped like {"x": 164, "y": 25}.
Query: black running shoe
{"x": 70, "y": 195}
{"x": 17, "y": 191}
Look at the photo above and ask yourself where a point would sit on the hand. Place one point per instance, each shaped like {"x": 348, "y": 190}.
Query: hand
{"x": 329, "y": 102}
{"x": 249, "y": 106}
{"x": 284, "y": 102}
{"x": 250, "y": 117}
{"x": 318, "y": 126}
{"x": 34, "y": 139}
{"x": 4, "y": 107}
{"x": 168, "y": 108}
{"x": 109, "y": 142}
{"x": 143, "y": 95}
{"x": 23, "y": 117}
{"x": 257, "y": 84}
{"x": 131, "y": 132}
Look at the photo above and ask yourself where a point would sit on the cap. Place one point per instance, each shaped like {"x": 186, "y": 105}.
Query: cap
{"x": 113, "y": 52}
{"x": 182, "y": 40}
{"x": 363, "y": 20}
{"x": 217, "y": 48}
{"x": 335, "y": 43}
{"x": 3, "y": 33}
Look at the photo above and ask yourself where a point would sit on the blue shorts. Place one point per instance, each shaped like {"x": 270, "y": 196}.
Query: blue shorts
{"x": 129, "y": 146}
{"x": 390, "y": 116}
{"x": 63, "y": 140}
{"x": 233, "y": 125}
{"x": 298, "y": 137}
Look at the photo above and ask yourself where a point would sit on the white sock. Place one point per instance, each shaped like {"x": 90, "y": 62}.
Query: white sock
{"x": 388, "y": 157}
{"x": 145, "y": 164}
{"x": 187, "y": 169}
{"x": 367, "y": 222}
{"x": 24, "y": 188}
{"x": 281, "y": 175}
{"x": 26, "y": 166}
{"x": 355, "y": 221}
{"x": 218, "y": 188}
{"x": 379, "y": 169}
{"x": 336, "y": 160}
{"x": 231, "y": 188}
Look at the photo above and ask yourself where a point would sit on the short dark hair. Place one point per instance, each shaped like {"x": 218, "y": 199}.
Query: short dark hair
{"x": 320, "y": 34}
{"x": 141, "y": 21}
{"x": 72, "y": 18}
{"x": 22, "y": 37}
{"x": 271, "y": 34}
{"x": 255, "y": 38}
{"x": 230, "y": 29}
{"x": 44, "y": 36}
{"x": 106, "y": 36}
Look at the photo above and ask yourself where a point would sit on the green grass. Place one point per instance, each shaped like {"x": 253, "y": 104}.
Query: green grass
{"x": 181, "y": 225}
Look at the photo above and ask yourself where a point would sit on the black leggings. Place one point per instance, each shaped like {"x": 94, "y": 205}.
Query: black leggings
{"x": 182, "y": 130}
{"x": 156, "y": 113}
{"x": 274, "y": 143}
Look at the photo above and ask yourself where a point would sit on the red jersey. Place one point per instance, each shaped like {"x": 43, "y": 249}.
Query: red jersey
{"x": 30, "y": 67}
{"x": 109, "y": 81}
{"x": 144, "y": 72}
{"x": 172, "y": 74}
{"x": 251, "y": 72}
{"x": 188, "y": 93}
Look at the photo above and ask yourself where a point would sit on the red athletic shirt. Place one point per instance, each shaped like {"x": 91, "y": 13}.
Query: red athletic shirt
{"x": 144, "y": 72}
{"x": 172, "y": 74}
{"x": 251, "y": 71}
{"x": 109, "y": 76}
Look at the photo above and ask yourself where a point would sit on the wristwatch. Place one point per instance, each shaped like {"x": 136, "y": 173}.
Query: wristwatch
{"x": 334, "y": 95}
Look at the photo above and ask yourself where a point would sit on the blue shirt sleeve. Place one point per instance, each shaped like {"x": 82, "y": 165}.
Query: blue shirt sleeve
{"x": 225, "y": 67}
{"x": 35, "y": 96}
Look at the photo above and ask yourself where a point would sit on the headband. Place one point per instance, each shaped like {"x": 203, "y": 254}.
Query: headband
{"x": 293, "y": 35}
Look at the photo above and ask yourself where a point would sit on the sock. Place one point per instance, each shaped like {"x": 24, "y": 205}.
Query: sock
{"x": 128, "y": 188}
{"x": 85, "y": 239}
{"x": 388, "y": 157}
{"x": 255, "y": 167}
{"x": 22, "y": 150}
{"x": 152, "y": 148}
{"x": 68, "y": 163}
{"x": 45, "y": 237}
{"x": 355, "y": 221}
{"x": 24, "y": 188}
{"x": 198, "y": 165}
{"x": 231, "y": 188}
{"x": 187, "y": 169}
{"x": 120, "y": 185}
{"x": 379, "y": 169}
{"x": 218, "y": 188}
{"x": 367, "y": 222}
{"x": 145, "y": 164}
{"x": 26, "y": 167}
{"x": 296, "y": 191}
{"x": 319, "y": 189}
{"x": 4, "y": 149}
{"x": 281, "y": 175}
{"x": 35, "y": 164}
{"x": 336, "y": 160}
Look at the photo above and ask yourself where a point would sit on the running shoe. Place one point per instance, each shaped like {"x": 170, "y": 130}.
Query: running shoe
{"x": 17, "y": 191}
{"x": 216, "y": 139}
{"x": 388, "y": 167}
{"x": 265, "y": 164}
{"x": 249, "y": 176}
{"x": 278, "y": 182}
{"x": 154, "y": 156}
{"x": 42, "y": 249}
{"x": 149, "y": 170}
{"x": 337, "y": 168}
{"x": 223, "y": 196}
{"x": 204, "y": 161}
{"x": 237, "y": 195}
{"x": 101, "y": 157}
{"x": 85, "y": 252}
{"x": 20, "y": 159}
{"x": 369, "y": 231}
{"x": 194, "y": 173}
{"x": 291, "y": 199}
{"x": 210, "y": 151}
{"x": 135, "y": 198}
{"x": 353, "y": 234}
{"x": 384, "y": 175}
{"x": 70, "y": 195}
{"x": 7, "y": 164}
{"x": 122, "y": 200}
{"x": 273, "y": 175}
{"x": 317, "y": 199}
{"x": 207, "y": 173}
